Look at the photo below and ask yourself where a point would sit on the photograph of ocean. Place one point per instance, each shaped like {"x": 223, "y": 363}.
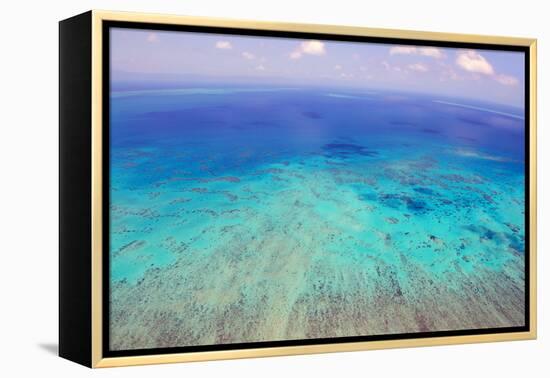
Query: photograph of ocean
{"x": 250, "y": 210}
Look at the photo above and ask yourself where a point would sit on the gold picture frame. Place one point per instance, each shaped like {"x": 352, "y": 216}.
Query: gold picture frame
{"x": 89, "y": 329}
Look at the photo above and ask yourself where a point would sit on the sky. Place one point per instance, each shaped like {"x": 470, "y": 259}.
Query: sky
{"x": 164, "y": 57}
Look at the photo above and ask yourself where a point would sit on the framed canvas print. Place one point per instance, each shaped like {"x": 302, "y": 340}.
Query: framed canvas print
{"x": 236, "y": 189}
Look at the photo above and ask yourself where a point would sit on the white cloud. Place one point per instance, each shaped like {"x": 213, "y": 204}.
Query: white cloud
{"x": 152, "y": 37}
{"x": 312, "y": 47}
{"x": 397, "y": 50}
{"x": 260, "y": 67}
{"x": 248, "y": 55}
{"x": 224, "y": 45}
{"x": 472, "y": 61}
{"x": 432, "y": 52}
{"x": 419, "y": 67}
{"x": 337, "y": 67}
{"x": 506, "y": 79}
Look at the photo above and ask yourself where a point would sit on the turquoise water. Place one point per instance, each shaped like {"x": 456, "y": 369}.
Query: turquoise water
{"x": 257, "y": 214}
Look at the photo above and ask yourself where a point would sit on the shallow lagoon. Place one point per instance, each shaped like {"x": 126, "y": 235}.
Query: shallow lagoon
{"x": 342, "y": 214}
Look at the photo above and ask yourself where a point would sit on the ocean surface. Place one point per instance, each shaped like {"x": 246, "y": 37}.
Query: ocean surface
{"x": 261, "y": 214}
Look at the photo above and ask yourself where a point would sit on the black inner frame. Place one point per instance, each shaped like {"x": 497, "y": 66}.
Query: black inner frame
{"x": 107, "y": 25}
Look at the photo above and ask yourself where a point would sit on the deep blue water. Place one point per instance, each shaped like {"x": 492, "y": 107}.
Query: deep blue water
{"x": 284, "y": 123}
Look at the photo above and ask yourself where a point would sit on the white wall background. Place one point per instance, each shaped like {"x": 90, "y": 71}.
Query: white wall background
{"x": 28, "y": 186}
